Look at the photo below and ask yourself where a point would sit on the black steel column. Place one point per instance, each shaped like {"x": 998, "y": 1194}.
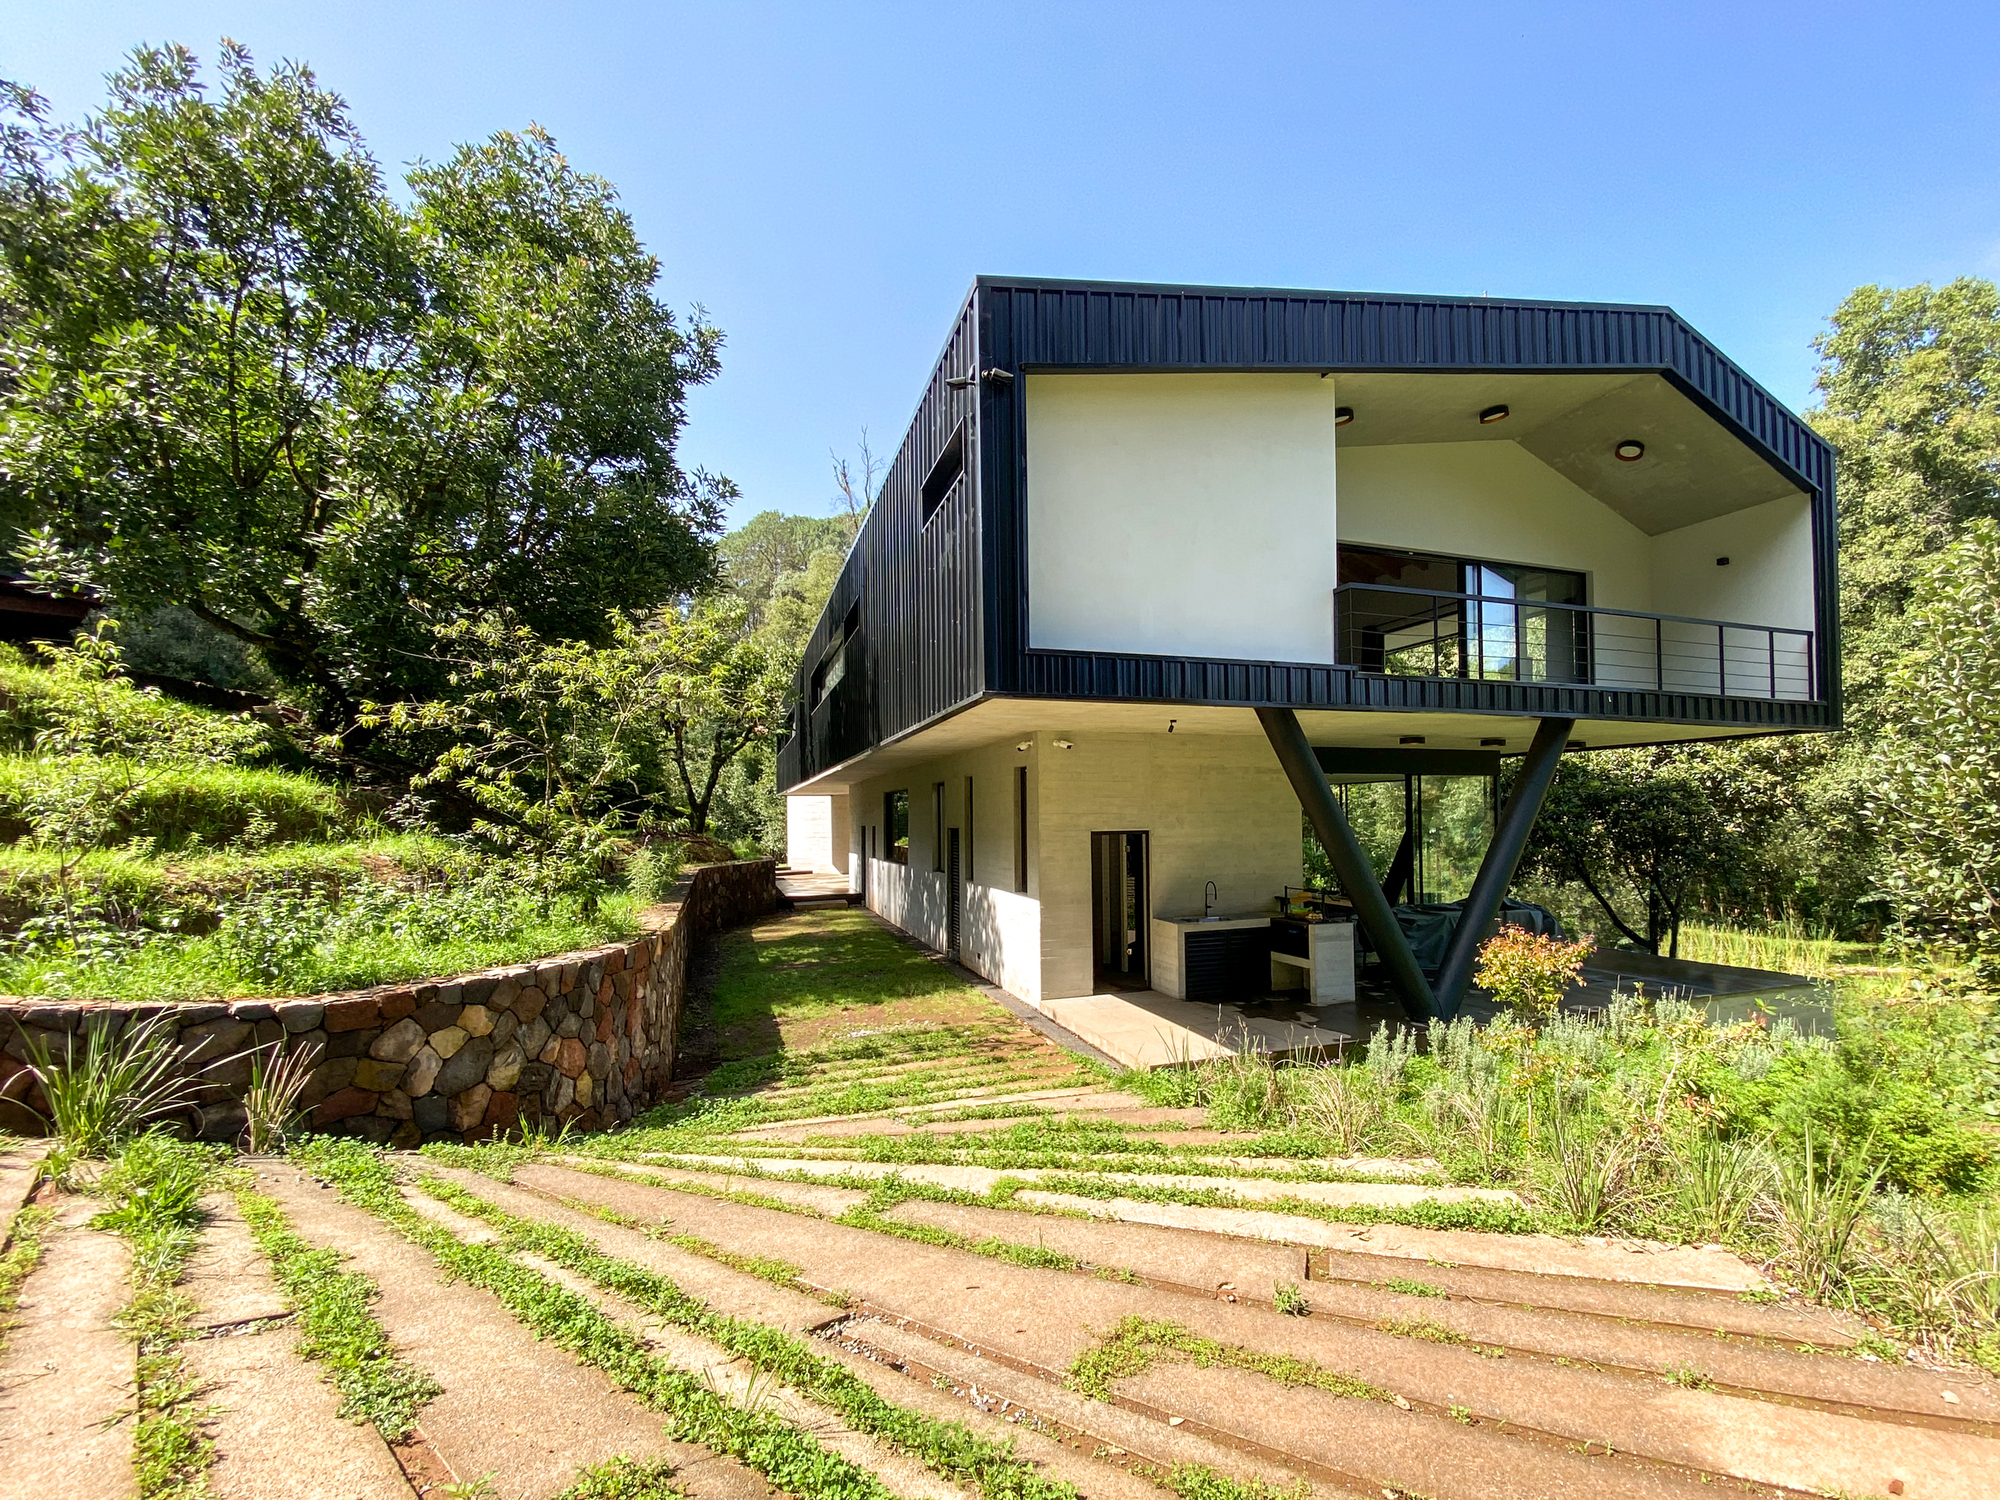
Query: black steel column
{"x": 1350, "y": 863}
{"x": 1503, "y": 857}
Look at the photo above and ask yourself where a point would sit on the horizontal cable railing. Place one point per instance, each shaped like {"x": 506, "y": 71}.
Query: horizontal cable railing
{"x": 1404, "y": 632}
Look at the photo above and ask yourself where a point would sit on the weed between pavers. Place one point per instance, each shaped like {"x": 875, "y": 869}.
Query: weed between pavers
{"x": 1410, "y": 1288}
{"x": 790, "y": 1458}
{"x": 1436, "y": 1333}
{"x": 338, "y": 1332}
{"x": 22, "y": 1255}
{"x": 1200, "y": 1482}
{"x": 623, "y": 1478}
{"x": 152, "y": 1194}
{"x": 1135, "y": 1344}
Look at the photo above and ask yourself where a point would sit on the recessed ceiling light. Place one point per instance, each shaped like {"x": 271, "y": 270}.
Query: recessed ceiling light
{"x": 1411, "y": 739}
{"x": 1493, "y": 414}
{"x": 1491, "y": 744}
{"x": 1631, "y": 450}
{"x": 1342, "y": 415}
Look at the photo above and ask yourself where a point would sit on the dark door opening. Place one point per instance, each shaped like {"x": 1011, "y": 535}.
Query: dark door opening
{"x": 953, "y": 893}
{"x": 1121, "y": 910}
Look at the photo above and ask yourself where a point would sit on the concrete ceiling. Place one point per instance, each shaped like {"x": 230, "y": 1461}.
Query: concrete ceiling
{"x": 1694, "y": 469}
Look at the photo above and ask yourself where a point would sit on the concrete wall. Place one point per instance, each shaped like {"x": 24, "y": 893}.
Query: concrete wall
{"x": 583, "y": 1037}
{"x": 1216, "y": 808}
{"x": 1769, "y": 580}
{"x": 1497, "y": 502}
{"x": 1161, "y": 506}
{"x": 816, "y": 834}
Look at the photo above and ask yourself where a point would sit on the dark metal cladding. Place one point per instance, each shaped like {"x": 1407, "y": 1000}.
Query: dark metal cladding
{"x": 916, "y": 653}
{"x": 944, "y": 604}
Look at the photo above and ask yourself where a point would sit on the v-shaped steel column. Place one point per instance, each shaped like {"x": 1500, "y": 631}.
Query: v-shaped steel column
{"x": 1350, "y": 861}
{"x": 1503, "y": 857}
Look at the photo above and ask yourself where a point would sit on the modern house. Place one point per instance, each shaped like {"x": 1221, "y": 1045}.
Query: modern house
{"x": 1157, "y": 567}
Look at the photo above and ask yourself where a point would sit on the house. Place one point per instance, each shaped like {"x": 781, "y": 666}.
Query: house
{"x": 1156, "y": 569}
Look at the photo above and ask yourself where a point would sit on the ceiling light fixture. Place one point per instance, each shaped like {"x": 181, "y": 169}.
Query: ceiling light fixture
{"x": 1342, "y": 415}
{"x": 1492, "y": 414}
{"x": 1411, "y": 739}
{"x": 1491, "y": 744}
{"x": 1630, "y": 451}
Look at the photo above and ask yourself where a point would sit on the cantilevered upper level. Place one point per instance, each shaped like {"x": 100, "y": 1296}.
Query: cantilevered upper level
{"x": 1395, "y": 515}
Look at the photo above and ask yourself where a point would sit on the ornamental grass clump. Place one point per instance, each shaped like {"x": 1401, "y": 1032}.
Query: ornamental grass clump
{"x": 1529, "y": 972}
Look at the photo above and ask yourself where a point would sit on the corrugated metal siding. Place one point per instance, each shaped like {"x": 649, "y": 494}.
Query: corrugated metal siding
{"x": 1168, "y": 679}
{"x": 918, "y": 650}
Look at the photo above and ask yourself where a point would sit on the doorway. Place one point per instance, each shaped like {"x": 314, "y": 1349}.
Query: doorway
{"x": 1120, "y": 908}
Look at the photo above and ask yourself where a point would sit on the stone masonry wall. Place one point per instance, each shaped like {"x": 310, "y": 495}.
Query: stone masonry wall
{"x": 583, "y": 1037}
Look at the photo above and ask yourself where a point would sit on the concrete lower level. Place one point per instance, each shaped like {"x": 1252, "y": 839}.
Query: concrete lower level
{"x": 1145, "y": 1029}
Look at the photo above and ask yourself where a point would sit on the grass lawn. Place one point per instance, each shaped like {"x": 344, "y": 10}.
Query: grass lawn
{"x": 828, "y": 1011}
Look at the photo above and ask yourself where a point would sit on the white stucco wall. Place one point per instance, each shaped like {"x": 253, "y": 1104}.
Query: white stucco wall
{"x": 1214, "y": 807}
{"x": 1182, "y": 514}
{"x": 1497, "y": 502}
{"x": 1769, "y": 580}
{"x": 816, "y": 836}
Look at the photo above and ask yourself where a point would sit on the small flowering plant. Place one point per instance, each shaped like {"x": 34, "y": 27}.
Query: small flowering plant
{"x": 1529, "y": 972}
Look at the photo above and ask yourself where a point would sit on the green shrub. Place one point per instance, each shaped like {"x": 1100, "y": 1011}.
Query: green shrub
{"x": 177, "y": 806}
{"x": 76, "y": 699}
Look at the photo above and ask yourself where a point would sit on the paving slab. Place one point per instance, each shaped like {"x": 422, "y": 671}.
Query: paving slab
{"x": 67, "y": 1377}
{"x": 831, "y": 1201}
{"x": 736, "y": 1381}
{"x": 1144, "y": 1030}
{"x": 976, "y": 1179}
{"x": 486, "y": 1362}
{"x": 1764, "y": 1442}
{"x": 1790, "y": 1323}
{"x": 227, "y": 1275}
{"x": 1392, "y": 1451}
{"x": 1211, "y": 1265}
{"x": 20, "y": 1170}
{"x": 276, "y": 1426}
{"x": 1041, "y": 1320}
{"x": 1121, "y": 1434}
{"x": 745, "y": 1296}
{"x": 736, "y": 1292}
{"x": 1700, "y": 1267}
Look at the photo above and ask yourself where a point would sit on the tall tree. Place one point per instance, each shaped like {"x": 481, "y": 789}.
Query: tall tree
{"x": 1910, "y": 385}
{"x": 237, "y": 377}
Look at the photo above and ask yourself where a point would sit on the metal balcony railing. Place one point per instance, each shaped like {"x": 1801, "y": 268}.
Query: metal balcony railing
{"x": 1403, "y": 632}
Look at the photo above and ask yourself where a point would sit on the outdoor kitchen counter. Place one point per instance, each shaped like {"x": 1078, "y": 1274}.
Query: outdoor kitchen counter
{"x": 1228, "y": 940}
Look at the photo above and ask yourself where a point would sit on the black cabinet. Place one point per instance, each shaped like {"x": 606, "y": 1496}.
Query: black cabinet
{"x": 1228, "y": 965}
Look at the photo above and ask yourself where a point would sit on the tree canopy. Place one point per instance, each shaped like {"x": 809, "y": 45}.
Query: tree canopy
{"x": 238, "y": 377}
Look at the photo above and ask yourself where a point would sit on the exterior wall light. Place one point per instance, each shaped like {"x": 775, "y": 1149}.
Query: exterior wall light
{"x": 1064, "y": 745}
{"x": 1491, "y": 744}
{"x": 1342, "y": 415}
{"x": 1411, "y": 739}
{"x": 1630, "y": 451}
{"x": 1491, "y": 415}
{"x": 1025, "y": 745}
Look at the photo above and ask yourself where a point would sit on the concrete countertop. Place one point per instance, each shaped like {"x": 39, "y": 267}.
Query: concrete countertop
{"x": 1218, "y": 924}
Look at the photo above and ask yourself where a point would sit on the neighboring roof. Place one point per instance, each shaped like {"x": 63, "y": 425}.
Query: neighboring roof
{"x": 1135, "y": 325}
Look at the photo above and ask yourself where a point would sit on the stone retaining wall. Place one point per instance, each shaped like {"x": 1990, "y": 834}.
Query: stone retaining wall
{"x": 582, "y": 1037}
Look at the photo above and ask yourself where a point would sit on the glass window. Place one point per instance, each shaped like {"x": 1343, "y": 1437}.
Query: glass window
{"x": 896, "y": 827}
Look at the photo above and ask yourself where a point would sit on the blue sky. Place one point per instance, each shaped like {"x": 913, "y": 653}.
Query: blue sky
{"x": 826, "y": 179}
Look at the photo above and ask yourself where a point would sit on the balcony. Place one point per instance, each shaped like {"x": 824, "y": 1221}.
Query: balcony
{"x": 1406, "y": 632}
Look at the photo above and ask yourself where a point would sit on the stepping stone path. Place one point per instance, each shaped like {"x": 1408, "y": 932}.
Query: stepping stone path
{"x": 1113, "y": 1340}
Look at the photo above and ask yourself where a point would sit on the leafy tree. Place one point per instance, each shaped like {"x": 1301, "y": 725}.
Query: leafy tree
{"x": 1633, "y": 824}
{"x": 1936, "y": 804}
{"x": 1910, "y": 384}
{"x": 774, "y": 557}
{"x": 237, "y": 377}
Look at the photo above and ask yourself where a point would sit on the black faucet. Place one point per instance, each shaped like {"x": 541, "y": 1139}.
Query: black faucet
{"x": 1208, "y": 898}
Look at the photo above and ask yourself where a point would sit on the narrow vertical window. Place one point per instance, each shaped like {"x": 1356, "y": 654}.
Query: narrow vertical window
{"x": 896, "y": 827}
{"x": 971, "y": 876}
{"x": 1021, "y": 828}
{"x": 937, "y": 825}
